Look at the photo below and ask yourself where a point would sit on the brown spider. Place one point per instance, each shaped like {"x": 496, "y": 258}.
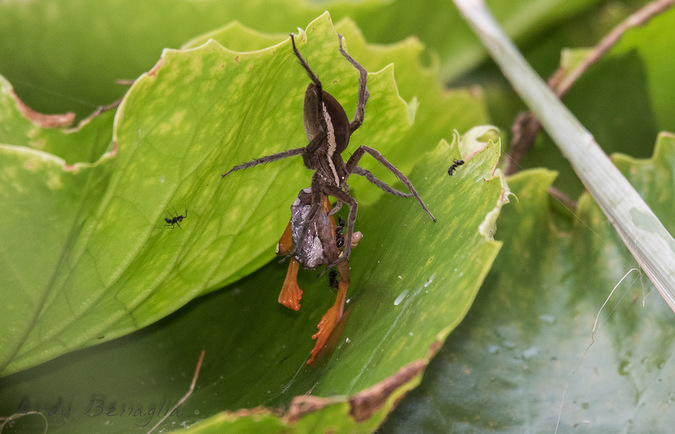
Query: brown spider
{"x": 328, "y": 130}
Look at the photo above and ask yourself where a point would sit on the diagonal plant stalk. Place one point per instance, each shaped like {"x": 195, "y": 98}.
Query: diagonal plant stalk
{"x": 641, "y": 231}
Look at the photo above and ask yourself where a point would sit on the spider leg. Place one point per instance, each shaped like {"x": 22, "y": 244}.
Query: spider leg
{"x": 336, "y": 208}
{"x": 354, "y": 161}
{"x": 316, "y": 143}
{"x": 266, "y": 159}
{"x": 317, "y": 83}
{"x": 342, "y": 196}
{"x": 338, "y": 204}
{"x": 372, "y": 178}
{"x": 363, "y": 90}
{"x": 304, "y": 64}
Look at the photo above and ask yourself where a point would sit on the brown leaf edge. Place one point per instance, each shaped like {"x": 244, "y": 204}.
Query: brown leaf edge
{"x": 64, "y": 121}
{"x": 61, "y": 120}
{"x": 363, "y": 405}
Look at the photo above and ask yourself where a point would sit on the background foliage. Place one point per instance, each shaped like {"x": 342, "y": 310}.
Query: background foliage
{"x": 80, "y": 234}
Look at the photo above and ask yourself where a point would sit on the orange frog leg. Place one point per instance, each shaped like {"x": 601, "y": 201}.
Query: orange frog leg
{"x": 291, "y": 293}
{"x": 333, "y": 315}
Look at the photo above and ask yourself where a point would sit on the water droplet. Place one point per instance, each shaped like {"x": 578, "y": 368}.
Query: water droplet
{"x": 548, "y": 319}
{"x": 400, "y": 298}
{"x": 530, "y": 352}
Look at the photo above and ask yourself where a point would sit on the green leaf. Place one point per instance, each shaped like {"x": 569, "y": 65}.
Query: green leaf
{"x": 68, "y": 72}
{"x": 522, "y": 347}
{"x": 404, "y": 300}
{"x": 109, "y": 265}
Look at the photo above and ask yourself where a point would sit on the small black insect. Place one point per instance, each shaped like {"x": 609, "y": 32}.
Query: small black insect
{"x": 332, "y": 279}
{"x": 455, "y": 165}
{"x": 339, "y": 236}
{"x": 175, "y": 220}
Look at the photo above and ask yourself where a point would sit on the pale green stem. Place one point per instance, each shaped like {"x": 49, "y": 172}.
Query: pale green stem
{"x": 644, "y": 235}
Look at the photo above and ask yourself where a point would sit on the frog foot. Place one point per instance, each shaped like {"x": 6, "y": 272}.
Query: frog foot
{"x": 291, "y": 293}
{"x": 326, "y": 327}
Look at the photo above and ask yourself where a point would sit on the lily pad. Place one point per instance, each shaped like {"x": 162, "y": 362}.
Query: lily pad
{"x": 527, "y": 355}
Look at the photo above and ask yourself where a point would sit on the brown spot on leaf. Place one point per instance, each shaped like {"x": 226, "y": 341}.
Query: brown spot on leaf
{"x": 154, "y": 69}
{"x": 433, "y": 349}
{"x": 71, "y": 168}
{"x": 305, "y": 404}
{"x": 256, "y": 411}
{"x": 43, "y": 120}
{"x": 366, "y": 403}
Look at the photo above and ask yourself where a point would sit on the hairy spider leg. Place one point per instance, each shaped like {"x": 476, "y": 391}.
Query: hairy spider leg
{"x": 339, "y": 194}
{"x": 266, "y": 159}
{"x": 373, "y": 179}
{"x": 358, "y": 170}
{"x": 314, "y": 144}
{"x": 354, "y": 161}
{"x": 363, "y": 90}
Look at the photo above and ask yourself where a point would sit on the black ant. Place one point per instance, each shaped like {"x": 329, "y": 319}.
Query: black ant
{"x": 332, "y": 279}
{"x": 339, "y": 236}
{"x": 173, "y": 221}
{"x": 455, "y": 165}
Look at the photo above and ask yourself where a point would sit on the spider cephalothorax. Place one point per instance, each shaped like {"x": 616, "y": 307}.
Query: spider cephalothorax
{"x": 328, "y": 130}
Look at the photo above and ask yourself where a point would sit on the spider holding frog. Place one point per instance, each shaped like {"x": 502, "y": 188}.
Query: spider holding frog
{"x": 311, "y": 236}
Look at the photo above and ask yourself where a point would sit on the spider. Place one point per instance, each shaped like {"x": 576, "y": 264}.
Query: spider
{"x": 455, "y": 165}
{"x": 328, "y": 130}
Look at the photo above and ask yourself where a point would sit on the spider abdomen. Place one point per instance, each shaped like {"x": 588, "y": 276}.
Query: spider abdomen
{"x": 332, "y": 114}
